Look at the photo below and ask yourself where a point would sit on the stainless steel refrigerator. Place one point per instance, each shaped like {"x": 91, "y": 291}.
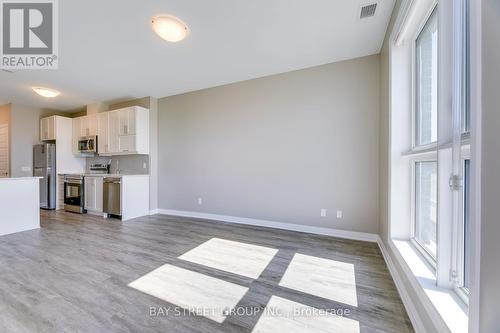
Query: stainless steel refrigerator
{"x": 44, "y": 166}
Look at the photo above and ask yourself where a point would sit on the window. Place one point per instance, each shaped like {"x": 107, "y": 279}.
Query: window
{"x": 430, "y": 170}
{"x": 425, "y": 233}
{"x": 425, "y": 117}
{"x": 426, "y": 81}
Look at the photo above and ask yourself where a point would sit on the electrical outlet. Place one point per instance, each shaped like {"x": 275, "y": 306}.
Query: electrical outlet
{"x": 144, "y": 165}
{"x": 323, "y": 212}
{"x": 200, "y": 201}
{"x": 26, "y": 169}
{"x": 339, "y": 214}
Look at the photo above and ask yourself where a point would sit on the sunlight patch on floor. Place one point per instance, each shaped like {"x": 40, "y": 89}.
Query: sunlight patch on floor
{"x": 234, "y": 257}
{"x": 202, "y": 294}
{"x": 331, "y": 279}
{"x": 282, "y": 315}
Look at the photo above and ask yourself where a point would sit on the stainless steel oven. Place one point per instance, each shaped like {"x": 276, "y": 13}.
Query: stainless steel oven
{"x": 87, "y": 145}
{"x": 74, "y": 192}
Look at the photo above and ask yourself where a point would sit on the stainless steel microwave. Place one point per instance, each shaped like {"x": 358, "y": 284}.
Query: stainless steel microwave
{"x": 87, "y": 145}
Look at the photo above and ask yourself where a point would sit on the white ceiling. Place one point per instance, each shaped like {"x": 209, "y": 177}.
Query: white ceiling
{"x": 108, "y": 51}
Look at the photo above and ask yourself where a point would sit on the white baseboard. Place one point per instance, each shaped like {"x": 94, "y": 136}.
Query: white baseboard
{"x": 154, "y": 211}
{"x": 415, "y": 319}
{"x": 355, "y": 235}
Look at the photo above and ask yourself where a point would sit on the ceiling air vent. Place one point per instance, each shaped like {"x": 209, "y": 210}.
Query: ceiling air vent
{"x": 368, "y": 11}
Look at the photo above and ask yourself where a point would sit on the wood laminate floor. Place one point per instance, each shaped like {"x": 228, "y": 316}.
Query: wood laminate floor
{"x": 81, "y": 273}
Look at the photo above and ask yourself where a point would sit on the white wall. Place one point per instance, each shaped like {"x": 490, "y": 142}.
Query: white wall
{"x": 278, "y": 148}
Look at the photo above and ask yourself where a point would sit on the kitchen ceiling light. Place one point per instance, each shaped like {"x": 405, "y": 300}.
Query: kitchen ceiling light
{"x": 170, "y": 28}
{"x": 46, "y": 92}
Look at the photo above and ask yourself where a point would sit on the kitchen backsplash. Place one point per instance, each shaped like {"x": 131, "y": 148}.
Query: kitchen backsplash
{"x": 126, "y": 164}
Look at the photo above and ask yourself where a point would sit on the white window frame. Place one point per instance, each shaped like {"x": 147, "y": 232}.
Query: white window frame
{"x": 459, "y": 289}
{"x": 426, "y": 157}
{"x": 402, "y": 150}
{"x": 419, "y": 153}
{"x": 460, "y": 72}
{"x": 421, "y": 26}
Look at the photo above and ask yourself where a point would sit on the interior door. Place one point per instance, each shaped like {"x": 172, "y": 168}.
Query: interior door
{"x": 4, "y": 151}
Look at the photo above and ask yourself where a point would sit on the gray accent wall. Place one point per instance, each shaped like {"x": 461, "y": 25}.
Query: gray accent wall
{"x": 278, "y": 148}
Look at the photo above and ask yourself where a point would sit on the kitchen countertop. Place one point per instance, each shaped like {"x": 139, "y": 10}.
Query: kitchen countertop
{"x": 112, "y": 175}
{"x": 19, "y": 178}
{"x": 105, "y": 174}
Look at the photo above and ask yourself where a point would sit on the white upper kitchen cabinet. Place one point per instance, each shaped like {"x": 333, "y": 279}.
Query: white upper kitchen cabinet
{"x": 76, "y": 134}
{"x": 82, "y": 127}
{"x": 48, "y": 128}
{"x": 88, "y": 125}
{"x": 103, "y": 133}
{"x": 127, "y": 118}
{"x": 113, "y": 131}
{"x": 119, "y": 132}
{"x": 129, "y": 131}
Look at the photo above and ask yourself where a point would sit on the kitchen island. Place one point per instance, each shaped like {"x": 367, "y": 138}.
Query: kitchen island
{"x": 19, "y": 204}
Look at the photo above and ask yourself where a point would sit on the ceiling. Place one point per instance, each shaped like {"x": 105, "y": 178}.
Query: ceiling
{"x": 108, "y": 52}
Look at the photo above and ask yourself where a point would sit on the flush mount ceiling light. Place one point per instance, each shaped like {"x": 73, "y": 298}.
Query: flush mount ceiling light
{"x": 46, "y": 92}
{"x": 170, "y": 28}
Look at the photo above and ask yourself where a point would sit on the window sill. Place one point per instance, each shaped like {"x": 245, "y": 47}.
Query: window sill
{"x": 445, "y": 303}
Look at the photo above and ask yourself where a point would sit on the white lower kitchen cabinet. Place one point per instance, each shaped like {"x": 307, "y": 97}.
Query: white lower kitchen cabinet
{"x": 134, "y": 196}
{"x": 93, "y": 194}
{"x": 130, "y": 195}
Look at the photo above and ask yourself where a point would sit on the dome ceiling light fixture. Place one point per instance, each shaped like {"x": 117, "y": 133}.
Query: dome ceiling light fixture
{"x": 46, "y": 92}
{"x": 170, "y": 28}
